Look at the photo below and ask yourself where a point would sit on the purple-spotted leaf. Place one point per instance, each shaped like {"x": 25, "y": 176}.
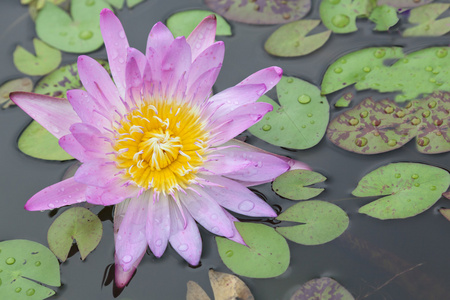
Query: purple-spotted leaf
{"x": 78, "y": 33}
{"x": 384, "y": 17}
{"x": 345, "y": 100}
{"x": 340, "y": 15}
{"x": 261, "y": 11}
{"x": 16, "y": 85}
{"x": 266, "y": 254}
{"x": 293, "y": 184}
{"x": 373, "y": 127}
{"x": 46, "y": 60}
{"x": 321, "y": 222}
{"x": 301, "y": 120}
{"x": 183, "y": 23}
{"x": 323, "y": 288}
{"x": 425, "y": 18}
{"x": 290, "y": 40}
{"x": 403, "y": 3}
{"x": 78, "y": 224}
{"x": 410, "y": 188}
{"x": 26, "y": 264}
{"x": 354, "y": 67}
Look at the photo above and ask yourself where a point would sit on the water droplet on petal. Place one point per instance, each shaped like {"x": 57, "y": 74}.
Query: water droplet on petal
{"x": 183, "y": 247}
{"x": 51, "y": 205}
{"x": 246, "y": 205}
{"x": 122, "y": 34}
{"x": 127, "y": 258}
{"x": 215, "y": 229}
{"x": 158, "y": 243}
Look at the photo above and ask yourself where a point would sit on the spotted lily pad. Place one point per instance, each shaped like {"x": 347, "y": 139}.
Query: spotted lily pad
{"x": 182, "y": 23}
{"x": 78, "y": 224}
{"x": 420, "y": 72}
{"x": 16, "y": 85}
{"x": 77, "y": 34}
{"x": 26, "y": 264}
{"x": 372, "y": 127}
{"x": 261, "y": 11}
{"x": 301, "y": 120}
{"x": 292, "y": 184}
{"x": 291, "y": 40}
{"x": 410, "y": 188}
{"x": 322, "y": 222}
{"x": 384, "y": 16}
{"x": 323, "y": 288}
{"x": 266, "y": 254}
{"x": 425, "y": 18}
{"x": 340, "y": 15}
{"x": 46, "y": 60}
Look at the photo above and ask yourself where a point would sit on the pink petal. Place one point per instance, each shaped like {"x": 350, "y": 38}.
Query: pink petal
{"x": 121, "y": 278}
{"x": 114, "y": 193}
{"x": 87, "y": 109}
{"x": 269, "y": 76}
{"x": 133, "y": 77}
{"x": 54, "y": 114}
{"x": 205, "y": 210}
{"x": 90, "y": 138}
{"x": 200, "y": 90}
{"x": 160, "y": 38}
{"x": 175, "y": 65}
{"x": 130, "y": 240}
{"x": 203, "y": 35}
{"x": 210, "y": 58}
{"x": 63, "y": 193}
{"x": 99, "y": 85}
{"x": 116, "y": 44}
{"x": 99, "y": 172}
{"x": 237, "y": 236}
{"x": 158, "y": 225}
{"x": 235, "y": 197}
{"x": 235, "y": 122}
{"x": 71, "y": 146}
{"x": 187, "y": 242}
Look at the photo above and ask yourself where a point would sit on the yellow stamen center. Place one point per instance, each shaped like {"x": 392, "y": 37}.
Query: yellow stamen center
{"x": 161, "y": 146}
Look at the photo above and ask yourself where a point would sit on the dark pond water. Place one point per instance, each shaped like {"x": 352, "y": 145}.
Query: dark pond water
{"x": 368, "y": 255}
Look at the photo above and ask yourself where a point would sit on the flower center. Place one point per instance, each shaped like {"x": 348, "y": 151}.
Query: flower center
{"x": 160, "y": 146}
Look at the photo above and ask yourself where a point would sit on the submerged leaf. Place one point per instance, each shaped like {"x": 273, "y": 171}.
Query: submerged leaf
{"x": 78, "y": 224}
{"x": 183, "y": 23}
{"x": 445, "y": 212}
{"x": 322, "y": 222}
{"x": 301, "y": 120}
{"x": 261, "y": 11}
{"x": 24, "y": 265}
{"x": 345, "y": 100}
{"x": 37, "y": 142}
{"x": 291, "y": 40}
{"x": 16, "y": 85}
{"x": 425, "y": 16}
{"x": 266, "y": 254}
{"x": 323, "y": 288}
{"x": 340, "y": 15}
{"x": 226, "y": 286}
{"x": 195, "y": 292}
{"x": 78, "y": 33}
{"x": 292, "y": 184}
{"x": 46, "y": 60}
{"x": 384, "y": 16}
{"x": 410, "y": 188}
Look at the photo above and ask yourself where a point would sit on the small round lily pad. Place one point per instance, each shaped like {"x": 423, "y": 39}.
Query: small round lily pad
{"x": 46, "y": 60}
{"x": 292, "y": 184}
{"x": 183, "y": 23}
{"x": 323, "y": 288}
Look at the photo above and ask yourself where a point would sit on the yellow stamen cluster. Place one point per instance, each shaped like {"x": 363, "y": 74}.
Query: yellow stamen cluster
{"x": 161, "y": 146}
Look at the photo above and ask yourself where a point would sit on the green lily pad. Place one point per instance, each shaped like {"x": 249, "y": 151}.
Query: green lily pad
{"x": 322, "y": 222}
{"x": 345, "y": 100}
{"x": 292, "y": 184}
{"x": 77, "y": 34}
{"x": 46, "y": 60}
{"x": 261, "y": 12}
{"x": 290, "y": 40}
{"x": 183, "y": 23}
{"x": 425, "y": 16}
{"x": 78, "y": 224}
{"x": 301, "y": 120}
{"x": 384, "y": 16}
{"x": 266, "y": 254}
{"x": 16, "y": 85}
{"x": 37, "y": 142}
{"x": 355, "y": 66}
{"x": 340, "y": 15}
{"x": 323, "y": 288}
{"x": 26, "y": 264}
{"x": 119, "y": 3}
{"x": 403, "y": 3}
{"x": 373, "y": 127}
{"x": 410, "y": 188}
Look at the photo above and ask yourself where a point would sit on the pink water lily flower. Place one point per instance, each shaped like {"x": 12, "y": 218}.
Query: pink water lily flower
{"x": 156, "y": 143}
